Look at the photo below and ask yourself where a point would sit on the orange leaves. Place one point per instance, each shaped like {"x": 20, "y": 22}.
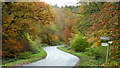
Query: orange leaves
{"x": 5, "y": 53}
{"x": 8, "y": 54}
{"x": 21, "y": 18}
{"x": 106, "y": 18}
{"x": 42, "y": 4}
{"x": 55, "y": 38}
{"x": 11, "y": 47}
{"x": 14, "y": 45}
{"x": 96, "y": 44}
{"x": 92, "y": 39}
{"x": 12, "y": 33}
{"x": 101, "y": 31}
{"x": 107, "y": 5}
{"x": 68, "y": 31}
{"x": 8, "y": 19}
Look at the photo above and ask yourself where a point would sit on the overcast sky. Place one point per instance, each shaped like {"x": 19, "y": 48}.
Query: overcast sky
{"x": 61, "y": 2}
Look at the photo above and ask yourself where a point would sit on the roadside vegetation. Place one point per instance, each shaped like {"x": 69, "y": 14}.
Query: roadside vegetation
{"x": 86, "y": 58}
{"x": 24, "y": 58}
{"x": 25, "y": 31}
{"x": 89, "y": 22}
{"x": 27, "y": 26}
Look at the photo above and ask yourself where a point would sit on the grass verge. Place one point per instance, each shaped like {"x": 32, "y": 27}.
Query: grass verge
{"x": 85, "y": 60}
{"x": 33, "y": 58}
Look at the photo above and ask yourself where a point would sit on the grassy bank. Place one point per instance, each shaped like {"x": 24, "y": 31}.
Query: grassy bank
{"x": 33, "y": 57}
{"x": 85, "y": 60}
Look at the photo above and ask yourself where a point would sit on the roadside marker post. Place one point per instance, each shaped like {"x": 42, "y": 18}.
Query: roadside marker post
{"x": 107, "y": 44}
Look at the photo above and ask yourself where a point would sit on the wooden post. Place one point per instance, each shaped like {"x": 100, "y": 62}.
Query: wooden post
{"x": 107, "y": 55}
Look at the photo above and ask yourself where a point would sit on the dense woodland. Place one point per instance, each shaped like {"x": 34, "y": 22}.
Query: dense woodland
{"x": 29, "y": 26}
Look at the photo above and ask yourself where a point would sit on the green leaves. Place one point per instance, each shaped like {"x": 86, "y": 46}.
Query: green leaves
{"x": 21, "y": 18}
{"x": 79, "y": 43}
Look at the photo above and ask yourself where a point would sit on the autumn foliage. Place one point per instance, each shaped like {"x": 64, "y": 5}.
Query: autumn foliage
{"x": 22, "y": 23}
{"x": 28, "y": 25}
{"x": 100, "y": 19}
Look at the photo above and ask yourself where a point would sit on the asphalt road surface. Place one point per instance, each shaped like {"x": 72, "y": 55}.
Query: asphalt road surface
{"x": 56, "y": 57}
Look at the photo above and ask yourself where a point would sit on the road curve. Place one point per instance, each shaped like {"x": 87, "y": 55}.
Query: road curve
{"x": 56, "y": 57}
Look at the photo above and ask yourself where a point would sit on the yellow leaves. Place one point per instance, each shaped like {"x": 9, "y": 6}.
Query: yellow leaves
{"x": 113, "y": 63}
{"x": 106, "y": 5}
{"x": 8, "y": 18}
{"x": 102, "y": 64}
{"x": 46, "y": 23}
{"x": 92, "y": 39}
{"x": 81, "y": 9}
{"x": 27, "y": 21}
{"x": 69, "y": 38}
{"x": 101, "y": 30}
{"x": 13, "y": 45}
{"x": 23, "y": 22}
{"x": 13, "y": 34}
{"x": 96, "y": 44}
{"x": 28, "y": 37}
{"x": 54, "y": 37}
{"x": 16, "y": 45}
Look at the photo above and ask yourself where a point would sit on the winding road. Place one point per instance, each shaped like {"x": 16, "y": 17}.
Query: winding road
{"x": 56, "y": 57}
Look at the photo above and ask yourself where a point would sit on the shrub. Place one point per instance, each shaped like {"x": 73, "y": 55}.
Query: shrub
{"x": 23, "y": 55}
{"x": 79, "y": 43}
{"x": 98, "y": 52}
{"x": 43, "y": 45}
